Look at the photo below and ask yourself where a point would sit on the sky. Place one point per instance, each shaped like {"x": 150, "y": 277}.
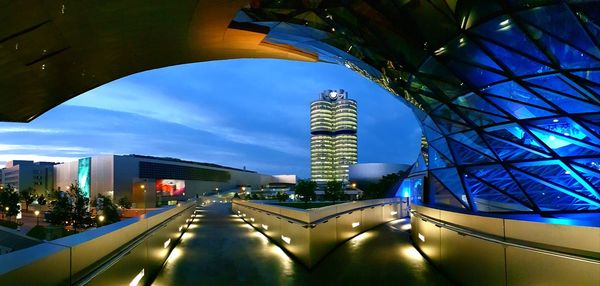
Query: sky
{"x": 251, "y": 113}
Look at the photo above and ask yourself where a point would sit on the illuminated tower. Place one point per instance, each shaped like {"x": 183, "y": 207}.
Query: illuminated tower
{"x": 333, "y": 142}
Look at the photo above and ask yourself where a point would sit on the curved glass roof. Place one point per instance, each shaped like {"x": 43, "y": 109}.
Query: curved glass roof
{"x": 507, "y": 93}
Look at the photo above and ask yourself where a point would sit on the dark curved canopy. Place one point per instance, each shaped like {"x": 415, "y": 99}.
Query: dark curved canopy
{"x": 507, "y": 92}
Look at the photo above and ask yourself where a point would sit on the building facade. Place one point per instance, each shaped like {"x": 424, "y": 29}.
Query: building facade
{"x": 22, "y": 175}
{"x": 333, "y": 142}
{"x": 149, "y": 181}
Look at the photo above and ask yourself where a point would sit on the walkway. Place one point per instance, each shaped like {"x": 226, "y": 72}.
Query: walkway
{"x": 221, "y": 249}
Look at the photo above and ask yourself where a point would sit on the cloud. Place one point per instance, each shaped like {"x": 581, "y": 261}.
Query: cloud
{"x": 28, "y": 129}
{"x": 151, "y": 103}
{"x": 45, "y": 148}
{"x": 37, "y": 158}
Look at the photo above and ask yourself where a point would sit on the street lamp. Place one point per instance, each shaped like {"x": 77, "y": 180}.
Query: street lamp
{"x": 37, "y": 217}
{"x": 143, "y": 187}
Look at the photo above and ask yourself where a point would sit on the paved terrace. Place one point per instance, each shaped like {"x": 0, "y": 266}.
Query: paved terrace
{"x": 221, "y": 249}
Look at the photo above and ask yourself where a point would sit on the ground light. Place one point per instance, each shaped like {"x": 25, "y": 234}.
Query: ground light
{"x": 287, "y": 239}
{"x": 136, "y": 280}
{"x": 37, "y": 217}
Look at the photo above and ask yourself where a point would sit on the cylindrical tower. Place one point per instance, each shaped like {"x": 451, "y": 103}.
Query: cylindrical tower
{"x": 333, "y": 136}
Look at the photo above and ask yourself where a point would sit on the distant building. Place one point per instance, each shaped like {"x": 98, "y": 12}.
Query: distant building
{"x": 148, "y": 181}
{"x": 23, "y": 175}
{"x": 333, "y": 142}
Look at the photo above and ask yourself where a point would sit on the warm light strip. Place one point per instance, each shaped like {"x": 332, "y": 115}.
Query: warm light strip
{"x": 136, "y": 280}
{"x": 422, "y": 237}
{"x": 265, "y": 227}
{"x": 355, "y": 224}
{"x": 180, "y": 228}
{"x": 166, "y": 244}
{"x": 394, "y": 213}
{"x": 287, "y": 239}
{"x": 252, "y": 219}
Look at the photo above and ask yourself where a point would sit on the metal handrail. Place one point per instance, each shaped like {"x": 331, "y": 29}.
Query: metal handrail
{"x": 320, "y": 220}
{"x": 502, "y": 240}
{"x": 126, "y": 249}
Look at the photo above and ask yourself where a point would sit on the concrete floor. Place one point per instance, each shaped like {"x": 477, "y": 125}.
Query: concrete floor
{"x": 220, "y": 249}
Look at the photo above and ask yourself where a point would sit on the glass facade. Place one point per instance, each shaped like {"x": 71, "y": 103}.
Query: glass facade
{"x": 333, "y": 140}
{"x": 507, "y": 92}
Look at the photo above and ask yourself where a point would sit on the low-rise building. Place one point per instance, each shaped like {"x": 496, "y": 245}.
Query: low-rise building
{"x": 22, "y": 175}
{"x": 149, "y": 181}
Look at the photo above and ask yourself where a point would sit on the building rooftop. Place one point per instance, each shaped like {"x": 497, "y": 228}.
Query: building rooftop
{"x": 176, "y": 160}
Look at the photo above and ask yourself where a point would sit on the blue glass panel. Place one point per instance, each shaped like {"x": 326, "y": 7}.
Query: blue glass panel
{"x": 472, "y": 139}
{"x": 475, "y": 76}
{"x": 430, "y": 134}
{"x": 513, "y": 133}
{"x": 552, "y": 198}
{"x": 514, "y": 91}
{"x": 556, "y": 172}
{"x": 481, "y": 118}
{"x": 465, "y": 155}
{"x": 441, "y": 146}
{"x": 589, "y": 168}
{"x": 502, "y": 30}
{"x": 464, "y": 49}
{"x": 591, "y": 126}
{"x": 437, "y": 160}
{"x": 555, "y": 82}
{"x": 498, "y": 177}
{"x": 520, "y": 110}
{"x": 559, "y": 21}
{"x": 449, "y": 178}
{"x": 445, "y": 112}
{"x": 568, "y": 56}
{"x": 429, "y": 122}
{"x": 441, "y": 195}
{"x": 563, "y": 145}
{"x": 431, "y": 102}
{"x": 433, "y": 67}
{"x": 450, "y": 90}
{"x": 473, "y": 100}
{"x": 592, "y": 76}
{"x": 566, "y": 127}
{"x": 567, "y": 104}
{"x": 448, "y": 127}
{"x": 420, "y": 165}
{"x": 488, "y": 199}
{"x": 508, "y": 151}
{"x": 518, "y": 64}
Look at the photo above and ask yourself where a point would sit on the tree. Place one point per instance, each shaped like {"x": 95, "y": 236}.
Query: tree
{"x": 108, "y": 209}
{"x": 334, "y": 191}
{"x": 41, "y": 199}
{"x": 282, "y": 196}
{"x": 124, "y": 202}
{"x": 81, "y": 215}
{"x": 305, "y": 189}
{"x": 9, "y": 201}
{"x": 28, "y": 196}
{"x": 62, "y": 209}
{"x": 382, "y": 187}
{"x": 236, "y": 196}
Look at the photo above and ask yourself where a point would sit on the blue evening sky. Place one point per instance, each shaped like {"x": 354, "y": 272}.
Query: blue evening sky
{"x": 250, "y": 112}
